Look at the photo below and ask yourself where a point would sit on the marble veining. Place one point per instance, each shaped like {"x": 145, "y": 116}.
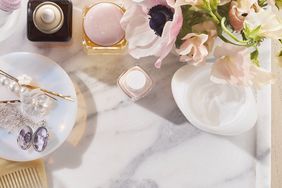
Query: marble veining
{"x": 148, "y": 144}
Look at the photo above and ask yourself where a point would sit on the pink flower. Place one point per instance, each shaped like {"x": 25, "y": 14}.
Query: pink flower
{"x": 193, "y": 48}
{"x": 234, "y": 66}
{"x": 151, "y": 28}
{"x": 238, "y": 11}
{"x": 236, "y": 18}
{"x": 209, "y": 28}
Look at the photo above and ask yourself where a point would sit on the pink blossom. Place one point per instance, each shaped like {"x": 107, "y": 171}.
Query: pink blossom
{"x": 236, "y": 18}
{"x": 234, "y": 66}
{"x": 151, "y": 32}
{"x": 193, "y": 48}
{"x": 238, "y": 11}
{"x": 209, "y": 28}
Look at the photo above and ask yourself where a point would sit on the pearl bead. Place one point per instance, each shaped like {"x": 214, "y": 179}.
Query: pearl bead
{"x": 6, "y": 82}
{"x": 14, "y": 87}
{"x": 2, "y": 78}
{"x": 23, "y": 90}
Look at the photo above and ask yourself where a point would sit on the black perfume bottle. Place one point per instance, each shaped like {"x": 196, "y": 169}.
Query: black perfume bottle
{"x": 49, "y": 20}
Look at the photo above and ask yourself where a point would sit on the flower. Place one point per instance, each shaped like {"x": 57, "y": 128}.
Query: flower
{"x": 269, "y": 20}
{"x": 238, "y": 11}
{"x": 209, "y": 28}
{"x": 193, "y": 48}
{"x": 261, "y": 77}
{"x": 234, "y": 66}
{"x": 236, "y": 18}
{"x": 244, "y": 6}
{"x": 151, "y": 28}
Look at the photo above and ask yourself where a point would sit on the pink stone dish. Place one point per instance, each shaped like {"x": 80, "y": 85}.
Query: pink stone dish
{"x": 102, "y": 27}
{"x": 9, "y": 5}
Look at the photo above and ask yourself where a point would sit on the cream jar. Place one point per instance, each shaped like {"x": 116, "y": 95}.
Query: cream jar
{"x": 216, "y": 108}
{"x": 135, "y": 83}
{"x": 102, "y": 31}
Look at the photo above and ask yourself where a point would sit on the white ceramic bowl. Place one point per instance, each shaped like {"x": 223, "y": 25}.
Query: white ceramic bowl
{"x": 185, "y": 85}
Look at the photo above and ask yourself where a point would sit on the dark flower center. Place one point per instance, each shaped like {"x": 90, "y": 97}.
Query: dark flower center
{"x": 159, "y": 15}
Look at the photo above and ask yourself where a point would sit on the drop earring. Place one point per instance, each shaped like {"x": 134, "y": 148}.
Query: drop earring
{"x": 24, "y": 139}
{"x": 38, "y": 139}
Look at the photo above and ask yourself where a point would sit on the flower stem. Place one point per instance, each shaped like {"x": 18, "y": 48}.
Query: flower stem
{"x": 231, "y": 34}
{"x": 228, "y": 41}
{"x": 217, "y": 15}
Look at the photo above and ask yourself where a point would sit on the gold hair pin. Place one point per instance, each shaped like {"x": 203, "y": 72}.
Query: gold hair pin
{"x": 32, "y": 87}
{"x": 10, "y": 101}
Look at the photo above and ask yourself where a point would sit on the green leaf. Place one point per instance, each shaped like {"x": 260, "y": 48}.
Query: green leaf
{"x": 278, "y": 3}
{"x": 263, "y": 3}
{"x": 280, "y": 54}
{"x": 253, "y": 34}
{"x": 255, "y": 57}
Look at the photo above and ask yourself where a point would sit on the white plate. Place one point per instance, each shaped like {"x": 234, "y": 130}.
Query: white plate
{"x": 60, "y": 120}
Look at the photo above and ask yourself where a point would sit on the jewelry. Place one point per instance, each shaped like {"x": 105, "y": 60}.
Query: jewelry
{"x": 36, "y": 103}
{"x": 12, "y": 119}
{"x": 12, "y": 85}
{"x": 27, "y": 85}
{"x": 25, "y": 138}
{"x": 10, "y": 101}
{"x": 38, "y": 139}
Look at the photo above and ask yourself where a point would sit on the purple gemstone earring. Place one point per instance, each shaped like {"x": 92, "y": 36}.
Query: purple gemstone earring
{"x": 25, "y": 138}
{"x": 38, "y": 139}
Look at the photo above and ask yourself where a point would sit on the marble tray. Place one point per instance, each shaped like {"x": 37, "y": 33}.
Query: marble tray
{"x": 148, "y": 144}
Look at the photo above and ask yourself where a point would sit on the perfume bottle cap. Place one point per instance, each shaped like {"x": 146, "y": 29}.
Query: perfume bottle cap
{"x": 102, "y": 24}
{"x": 48, "y": 17}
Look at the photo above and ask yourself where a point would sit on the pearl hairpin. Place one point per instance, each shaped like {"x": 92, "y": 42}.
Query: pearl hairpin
{"x": 7, "y": 79}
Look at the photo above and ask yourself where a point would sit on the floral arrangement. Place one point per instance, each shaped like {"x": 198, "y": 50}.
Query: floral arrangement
{"x": 191, "y": 27}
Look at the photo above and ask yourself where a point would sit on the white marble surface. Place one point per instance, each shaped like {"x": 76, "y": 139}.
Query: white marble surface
{"x": 148, "y": 144}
